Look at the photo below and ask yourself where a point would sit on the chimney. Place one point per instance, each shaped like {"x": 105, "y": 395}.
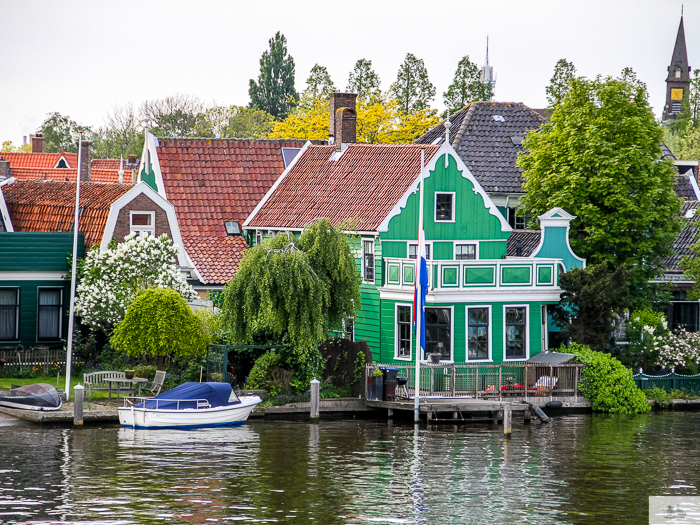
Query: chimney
{"x": 345, "y": 128}
{"x": 38, "y": 143}
{"x": 85, "y": 161}
{"x": 4, "y": 169}
{"x": 339, "y": 100}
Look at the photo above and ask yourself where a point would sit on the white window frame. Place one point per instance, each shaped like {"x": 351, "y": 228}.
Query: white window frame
{"x": 409, "y": 357}
{"x": 464, "y": 243}
{"x": 151, "y": 230}
{"x": 374, "y": 261}
{"x": 16, "y": 306}
{"x": 428, "y": 250}
{"x": 454, "y": 206}
{"x": 61, "y": 306}
{"x": 451, "y": 308}
{"x": 527, "y": 332}
{"x": 489, "y": 359}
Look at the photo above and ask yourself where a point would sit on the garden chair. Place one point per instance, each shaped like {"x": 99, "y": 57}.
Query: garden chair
{"x": 155, "y": 386}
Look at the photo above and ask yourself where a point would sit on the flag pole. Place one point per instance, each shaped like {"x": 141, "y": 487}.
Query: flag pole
{"x": 71, "y": 315}
{"x": 419, "y": 295}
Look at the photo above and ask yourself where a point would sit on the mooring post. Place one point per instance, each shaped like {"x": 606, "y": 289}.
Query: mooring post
{"x": 527, "y": 416}
{"x": 507, "y": 419}
{"x": 78, "y": 405}
{"x": 315, "y": 399}
{"x": 390, "y": 413}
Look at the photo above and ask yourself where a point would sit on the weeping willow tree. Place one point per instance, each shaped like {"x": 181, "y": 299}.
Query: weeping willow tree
{"x": 298, "y": 287}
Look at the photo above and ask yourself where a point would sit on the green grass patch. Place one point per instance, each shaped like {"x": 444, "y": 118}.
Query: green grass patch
{"x": 7, "y": 382}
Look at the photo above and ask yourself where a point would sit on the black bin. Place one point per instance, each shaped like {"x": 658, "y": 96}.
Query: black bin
{"x": 390, "y": 382}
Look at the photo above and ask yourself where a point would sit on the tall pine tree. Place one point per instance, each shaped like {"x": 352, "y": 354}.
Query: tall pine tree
{"x": 274, "y": 91}
{"x": 466, "y": 86}
{"x": 364, "y": 81}
{"x": 412, "y": 89}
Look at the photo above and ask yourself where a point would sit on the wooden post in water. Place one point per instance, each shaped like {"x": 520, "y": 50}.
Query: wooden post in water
{"x": 78, "y": 405}
{"x": 315, "y": 399}
{"x": 507, "y": 419}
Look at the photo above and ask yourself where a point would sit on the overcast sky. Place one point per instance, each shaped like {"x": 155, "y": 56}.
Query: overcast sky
{"x": 81, "y": 58}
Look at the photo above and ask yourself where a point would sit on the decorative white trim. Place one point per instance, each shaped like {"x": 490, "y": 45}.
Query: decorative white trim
{"x": 454, "y": 207}
{"x": 694, "y": 184}
{"x": 160, "y": 201}
{"x": 4, "y": 211}
{"x": 466, "y": 333}
{"x": 64, "y": 159}
{"x": 276, "y": 184}
{"x": 32, "y": 276}
{"x": 527, "y": 332}
{"x": 564, "y": 219}
{"x": 152, "y": 143}
{"x": 542, "y": 295}
{"x": 409, "y": 357}
{"x": 446, "y": 149}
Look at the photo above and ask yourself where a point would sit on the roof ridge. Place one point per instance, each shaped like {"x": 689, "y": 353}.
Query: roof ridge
{"x": 471, "y": 108}
{"x": 241, "y": 139}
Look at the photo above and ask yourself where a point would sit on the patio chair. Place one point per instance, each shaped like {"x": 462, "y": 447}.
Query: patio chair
{"x": 545, "y": 384}
{"x": 155, "y": 386}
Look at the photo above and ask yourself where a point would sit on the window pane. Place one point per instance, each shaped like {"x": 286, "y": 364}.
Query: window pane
{"x": 412, "y": 251}
{"x": 49, "y": 297}
{"x": 465, "y": 251}
{"x": 403, "y": 331}
{"x": 8, "y": 297}
{"x": 478, "y": 333}
{"x": 515, "y": 333}
{"x": 50, "y": 314}
{"x": 443, "y": 207}
{"x": 141, "y": 219}
{"x": 437, "y": 330}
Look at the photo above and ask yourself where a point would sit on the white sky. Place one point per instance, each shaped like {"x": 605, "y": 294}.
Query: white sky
{"x": 81, "y": 58}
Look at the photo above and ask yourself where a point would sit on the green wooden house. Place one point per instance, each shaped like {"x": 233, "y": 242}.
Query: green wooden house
{"x": 34, "y": 293}
{"x": 488, "y": 293}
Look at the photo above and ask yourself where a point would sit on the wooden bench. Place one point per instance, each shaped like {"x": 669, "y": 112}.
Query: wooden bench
{"x": 98, "y": 381}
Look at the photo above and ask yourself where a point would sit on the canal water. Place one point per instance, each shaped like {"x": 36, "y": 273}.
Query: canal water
{"x": 580, "y": 469}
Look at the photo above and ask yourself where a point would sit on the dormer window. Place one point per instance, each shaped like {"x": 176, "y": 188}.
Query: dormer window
{"x": 678, "y": 72}
{"x": 61, "y": 163}
{"x": 143, "y": 223}
{"x": 444, "y": 207}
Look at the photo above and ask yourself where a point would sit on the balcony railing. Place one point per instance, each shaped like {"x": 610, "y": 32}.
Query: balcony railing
{"x": 515, "y": 273}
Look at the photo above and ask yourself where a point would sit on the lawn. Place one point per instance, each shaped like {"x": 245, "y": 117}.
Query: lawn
{"x": 7, "y": 382}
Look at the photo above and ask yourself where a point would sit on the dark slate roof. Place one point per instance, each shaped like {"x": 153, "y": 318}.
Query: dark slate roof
{"x": 666, "y": 152}
{"x": 686, "y": 238}
{"x": 530, "y": 239}
{"x": 551, "y": 358}
{"x": 680, "y": 55}
{"x": 487, "y": 137}
{"x": 684, "y": 189}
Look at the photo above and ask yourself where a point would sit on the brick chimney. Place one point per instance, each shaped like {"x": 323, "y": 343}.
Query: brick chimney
{"x": 345, "y": 127}
{"x": 85, "y": 161}
{"x": 38, "y": 143}
{"x": 339, "y": 100}
{"x": 4, "y": 169}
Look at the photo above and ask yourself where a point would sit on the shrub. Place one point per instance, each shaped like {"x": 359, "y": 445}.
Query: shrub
{"x": 259, "y": 377}
{"x": 147, "y": 371}
{"x": 607, "y": 383}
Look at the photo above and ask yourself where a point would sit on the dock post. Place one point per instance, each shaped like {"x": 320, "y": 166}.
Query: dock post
{"x": 527, "y": 416}
{"x": 390, "y": 413}
{"x": 78, "y": 405}
{"x": 315, "y": 399}
{"x": 507, "y": 419}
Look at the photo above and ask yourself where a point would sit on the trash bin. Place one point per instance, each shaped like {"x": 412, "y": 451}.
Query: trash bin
{"x": 390, "y": 382}
{"x": 375, "y": 386}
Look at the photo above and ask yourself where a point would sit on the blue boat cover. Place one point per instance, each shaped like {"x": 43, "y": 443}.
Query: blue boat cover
{"x": 217, "y": 394}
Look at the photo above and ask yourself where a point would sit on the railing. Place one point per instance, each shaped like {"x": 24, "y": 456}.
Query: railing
{"x": 520, "y": 273}
{"x": 491, "y": 381}
{"x": 46, "y": 358}
{"x": 670, "y": 381}
{"x": 151, "y": 403}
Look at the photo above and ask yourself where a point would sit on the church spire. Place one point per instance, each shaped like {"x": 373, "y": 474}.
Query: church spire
{"x": 678, "y": 76}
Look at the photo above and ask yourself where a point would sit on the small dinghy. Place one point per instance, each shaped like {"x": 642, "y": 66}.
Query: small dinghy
{"x": 39, "y": 396}
{"x": 190, "y": 405}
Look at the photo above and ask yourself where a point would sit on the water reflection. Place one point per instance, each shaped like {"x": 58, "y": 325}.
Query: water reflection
{"x": 580, "y": 469}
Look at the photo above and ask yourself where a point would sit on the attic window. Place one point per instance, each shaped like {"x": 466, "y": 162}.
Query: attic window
{"x": 499, "y": 118}
{"x": 690, "y": 213}
{"x": 143, "y": 223}
{"x": 62, "y": 163}
{"x": 678, "y": 72}
{"x": 232, "y": 228}
{"x": 288, "y": 155}
{"x": 437, "y": 141}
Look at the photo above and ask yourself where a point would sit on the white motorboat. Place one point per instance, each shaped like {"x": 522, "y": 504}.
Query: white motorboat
{"x": 190, "y": 405}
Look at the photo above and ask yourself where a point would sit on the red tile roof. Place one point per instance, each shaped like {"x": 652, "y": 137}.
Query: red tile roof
{"x": 38, "y": 160}
{"x": 68, "y": 174}
{"x": 49, "y": 206}
{"x": 111, "y": 164}
{"x": 210, "y": 181}
{"x": 364, "y": 184}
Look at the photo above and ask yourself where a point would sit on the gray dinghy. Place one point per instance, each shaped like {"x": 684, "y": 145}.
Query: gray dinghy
{"x": 39, "y": 396}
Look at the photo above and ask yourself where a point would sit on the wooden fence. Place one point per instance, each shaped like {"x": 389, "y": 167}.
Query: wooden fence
{"x": 491, "y": 381}
{"x": 46, "y": 358}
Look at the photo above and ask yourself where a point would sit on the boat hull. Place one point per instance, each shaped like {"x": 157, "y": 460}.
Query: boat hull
{"x": 139, "y": 417}
{"x": 38, "y": 396}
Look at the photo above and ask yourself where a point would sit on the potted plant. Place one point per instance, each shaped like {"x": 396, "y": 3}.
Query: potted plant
{"x": 129, "y": 374}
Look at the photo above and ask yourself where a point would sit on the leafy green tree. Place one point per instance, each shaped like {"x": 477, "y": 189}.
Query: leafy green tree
{"x": 274, "y": 91}
{"x": 159, "y": 322}
{"x": 9, "y": 147}
{"x": 590, "y": 301}
{"x": 466, "y": 86}
{"x": 599, "y": 158}
{"x": 173, "y": 116}
{"x": 364, "y": 81}
{"x": 234, "y": 122}
{"x": 122, "y": 134}
{"x": 319, "y": 83}
{"x": 61, "y": 133}
{"x": 299, "y": 287}
{"x": 564, "y": 72}
{"x": 412, "y": 89}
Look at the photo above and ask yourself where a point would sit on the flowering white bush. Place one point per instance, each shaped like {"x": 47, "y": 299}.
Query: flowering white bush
{"x": 111, "y": 278}
{"x": 680, "y": 349}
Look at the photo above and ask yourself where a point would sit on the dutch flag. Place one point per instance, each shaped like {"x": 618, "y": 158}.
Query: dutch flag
{"x": 420, "y": 293}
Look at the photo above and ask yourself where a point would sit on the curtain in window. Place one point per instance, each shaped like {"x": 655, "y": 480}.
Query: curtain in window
{"x": 50, "y": 314}
{"x": 8, "y": 314}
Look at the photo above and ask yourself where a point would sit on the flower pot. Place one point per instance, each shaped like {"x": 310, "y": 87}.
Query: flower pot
{"x": 129, "y": 374}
